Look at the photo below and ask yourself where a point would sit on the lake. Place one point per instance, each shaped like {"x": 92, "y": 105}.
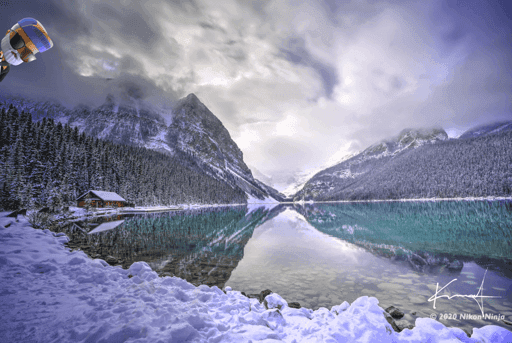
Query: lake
{"x": 323, "y": 254}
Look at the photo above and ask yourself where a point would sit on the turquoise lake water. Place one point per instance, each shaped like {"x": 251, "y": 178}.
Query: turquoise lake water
{"x": 323, "y": 254}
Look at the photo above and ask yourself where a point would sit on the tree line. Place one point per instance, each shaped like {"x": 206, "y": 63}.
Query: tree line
{"x": 47, "y": 163}
{"x": 476, "y": 167}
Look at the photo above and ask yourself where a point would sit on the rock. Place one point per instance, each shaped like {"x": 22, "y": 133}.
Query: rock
{"x": 294, "y": 305}
{"x": 15, "y": 214}
{"x": 274, "y": 300}
{"x": 391, "y": 321}
{"x": 394, "y": 312}
{"x": 263, "y": 294}
{"x": 260, "y": 296}
{"x": 110, "y": 259}
{"x": 404, "y": 324}
{"x": 417, "y": 261}
{"x": 414, "y": 313}
{"x": 455, "y": 265}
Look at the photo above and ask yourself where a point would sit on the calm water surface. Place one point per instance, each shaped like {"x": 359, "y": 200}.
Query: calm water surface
{"x": 321, "y": 255}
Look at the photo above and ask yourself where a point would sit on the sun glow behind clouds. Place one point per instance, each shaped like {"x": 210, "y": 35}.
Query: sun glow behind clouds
{"x": 287, "y": 127}
{"x": 210, "y": 77}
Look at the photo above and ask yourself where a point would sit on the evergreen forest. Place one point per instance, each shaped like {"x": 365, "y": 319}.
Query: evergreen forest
{"x": 47, "y": 163}
{"x": 474, "y": 167}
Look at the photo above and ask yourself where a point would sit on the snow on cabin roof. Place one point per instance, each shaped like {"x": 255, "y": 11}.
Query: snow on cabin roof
{"x": 107, "y": 226}
{"x": 105, "y": 196}
{"x": 108, "y": 196}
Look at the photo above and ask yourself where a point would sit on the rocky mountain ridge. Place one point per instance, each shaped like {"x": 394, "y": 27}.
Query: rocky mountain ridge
{"x": 421, "y": 163}
{"x": 194, "y": 130}
{"x": 347, "y": 171}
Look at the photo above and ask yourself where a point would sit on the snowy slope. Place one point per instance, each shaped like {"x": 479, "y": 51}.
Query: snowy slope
{"x": 196, "y": 130}
{"x": 346, "y": 172}
{"x": 50, "y": 294}
{"x": 487, "y": 130}
{"x": 300, "y": 181}
{"x": 302, "y": 177}
{"x": 421, "y": 164}
{"x": 193, "y": 130}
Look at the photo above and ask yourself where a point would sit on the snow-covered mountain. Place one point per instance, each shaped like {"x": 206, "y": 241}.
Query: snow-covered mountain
{"x": 489, "y": 129}
{"x": 333, "y": 179}
{"x": 197, "y": 131}
{"x": 258, "y": 174}
{"x": 422, "y": 164}
{"x": 300, "y": 178}
{"x": 194, "y": 130}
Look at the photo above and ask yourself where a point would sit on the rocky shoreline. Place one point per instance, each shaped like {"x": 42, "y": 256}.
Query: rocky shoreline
{"x": 210, "y": 271}
{"x": 213, "y": 273}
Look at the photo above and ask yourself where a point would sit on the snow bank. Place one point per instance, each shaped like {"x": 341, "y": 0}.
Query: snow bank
{"x": 50, "y": 294}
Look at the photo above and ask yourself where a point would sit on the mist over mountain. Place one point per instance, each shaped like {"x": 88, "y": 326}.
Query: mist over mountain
{"x": 300, "y": 178}
{"x": 421, "y": 163}
{"x": 488, "y": 129}
{"x": 193, "y": 130}
{"x": 416, "y": 163}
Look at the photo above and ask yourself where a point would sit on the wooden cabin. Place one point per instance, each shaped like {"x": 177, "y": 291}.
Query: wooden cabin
{"x": 101, "y": 199}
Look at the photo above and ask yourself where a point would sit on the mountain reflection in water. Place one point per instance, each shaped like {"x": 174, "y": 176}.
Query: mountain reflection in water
{"x": 202, "y": 246}
{"x": 431, "y": 236}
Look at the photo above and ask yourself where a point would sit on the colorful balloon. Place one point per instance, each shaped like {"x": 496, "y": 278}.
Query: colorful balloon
{"x": 21, "y": 43}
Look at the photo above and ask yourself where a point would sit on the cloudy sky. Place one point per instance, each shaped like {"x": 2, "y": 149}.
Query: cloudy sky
{"x": 298, "y": 84}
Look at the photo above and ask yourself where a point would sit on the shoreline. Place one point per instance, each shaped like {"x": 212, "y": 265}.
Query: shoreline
{"x": 184, "y": 207}
{"x": 208, "y": 280}
{"x": 111, "y": 302}
{"x": 489, "y": 198}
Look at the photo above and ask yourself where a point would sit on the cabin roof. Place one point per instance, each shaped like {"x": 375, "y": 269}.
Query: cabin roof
{"x": 105, "y": 196}
{"x": 106, "y": 226}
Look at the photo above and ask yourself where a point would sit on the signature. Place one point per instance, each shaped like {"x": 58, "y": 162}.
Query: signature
{"x": 479, "y": 295}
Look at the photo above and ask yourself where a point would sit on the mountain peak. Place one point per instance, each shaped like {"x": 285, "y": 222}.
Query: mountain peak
{"x": 408, "y": 138}
{"x": 436, "y": 133}
{"x": 192, "y": 101}
{"x": 192, "y": 98}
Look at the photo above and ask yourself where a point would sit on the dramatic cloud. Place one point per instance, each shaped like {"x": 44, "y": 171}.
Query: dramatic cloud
{"x": 298, "y": 84}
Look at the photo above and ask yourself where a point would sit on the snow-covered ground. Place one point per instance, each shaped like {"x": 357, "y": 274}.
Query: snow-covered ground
{"x": 50, "y": 294}
{"x": 82, "y": 212}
